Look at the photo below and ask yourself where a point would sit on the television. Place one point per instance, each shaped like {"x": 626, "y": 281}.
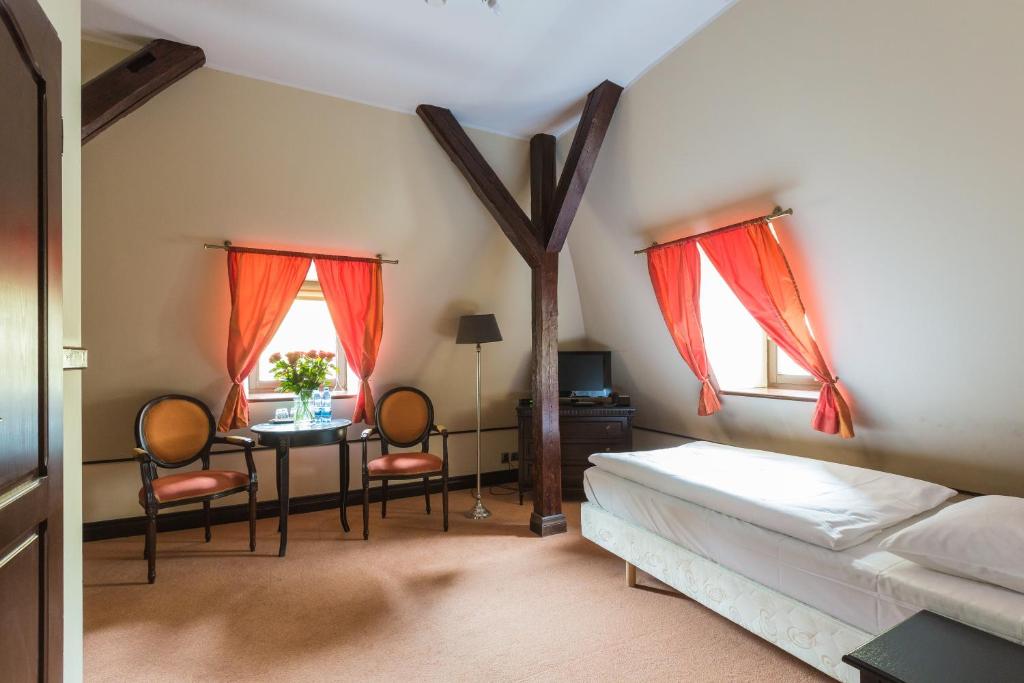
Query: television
{"x": 585, "y": 374}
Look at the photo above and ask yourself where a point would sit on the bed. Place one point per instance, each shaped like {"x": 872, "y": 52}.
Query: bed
{"x": 815, "y": 602}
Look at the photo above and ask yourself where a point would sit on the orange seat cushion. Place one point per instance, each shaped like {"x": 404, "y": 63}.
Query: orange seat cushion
{"x": 405, "y": 463}
{"x": 194, "y": 484}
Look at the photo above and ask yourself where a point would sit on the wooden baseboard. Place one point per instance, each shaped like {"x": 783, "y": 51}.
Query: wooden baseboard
{"x": 226, "y": 514}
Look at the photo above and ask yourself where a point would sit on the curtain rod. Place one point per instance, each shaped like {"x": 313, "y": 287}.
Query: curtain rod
{"x": 227, "y": 246}
{"x": 777, "y": 212}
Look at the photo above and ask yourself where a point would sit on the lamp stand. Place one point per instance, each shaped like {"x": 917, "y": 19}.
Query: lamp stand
{"x": 478, "y": 511}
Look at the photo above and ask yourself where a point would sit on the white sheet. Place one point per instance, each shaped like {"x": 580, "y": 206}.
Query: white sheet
{"x": 831, "y": 505}
{"x": 865, "y": 587}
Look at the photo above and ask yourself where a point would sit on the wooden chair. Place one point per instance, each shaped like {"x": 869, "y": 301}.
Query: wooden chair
{"x": 405, "y": 417}
{"x": 174, "y": 431}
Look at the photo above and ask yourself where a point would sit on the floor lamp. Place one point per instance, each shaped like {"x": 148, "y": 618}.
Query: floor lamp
{"x": 478, "y": 329}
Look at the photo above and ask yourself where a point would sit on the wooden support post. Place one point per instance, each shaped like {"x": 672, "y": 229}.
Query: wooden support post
{"x": 547, "y": 517}
{"x": 539, "y": 239}
{"x": 129, "y": 84}
{"x": 630, "y": 575}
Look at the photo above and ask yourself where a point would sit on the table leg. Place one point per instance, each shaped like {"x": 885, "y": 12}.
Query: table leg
{"x": 343, "y": 466}
{"x": 282, "y": 469}
{"x": 277, "y": 478}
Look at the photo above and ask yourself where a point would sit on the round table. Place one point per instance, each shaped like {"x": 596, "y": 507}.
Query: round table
{"x": 285, "y": 436}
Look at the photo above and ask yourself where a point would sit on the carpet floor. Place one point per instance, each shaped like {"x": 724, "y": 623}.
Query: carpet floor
{"x": 486, "y": 601}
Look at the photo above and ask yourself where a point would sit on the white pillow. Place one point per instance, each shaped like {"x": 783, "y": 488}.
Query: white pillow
{"x": 981, "y": 538}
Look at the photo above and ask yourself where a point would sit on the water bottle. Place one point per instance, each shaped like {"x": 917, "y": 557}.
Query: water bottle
{"x": 317, "y": 404}
{"x": 328, "y": 408}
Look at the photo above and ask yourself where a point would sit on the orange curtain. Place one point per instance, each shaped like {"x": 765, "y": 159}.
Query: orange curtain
{"x": 263, "y": 288}
{"x": 675, "y": 275}
{"x": 751, "y": 261}
{"x": 355, "y": 297}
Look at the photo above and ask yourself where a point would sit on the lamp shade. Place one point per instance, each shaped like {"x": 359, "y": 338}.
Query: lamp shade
{"x": 478, "y": 329}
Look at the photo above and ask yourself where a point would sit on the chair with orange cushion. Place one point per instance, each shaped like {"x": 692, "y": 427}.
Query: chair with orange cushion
{"x": 405, "y": 418}
{"x": 174, "y": 431}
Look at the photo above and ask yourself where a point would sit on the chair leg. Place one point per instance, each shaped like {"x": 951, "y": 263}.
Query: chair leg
{"x": 444, "y": 497}
{"x": 252, "y": 520}
{"x": 151, "y": 544}
{"x": 426, "y": 492}
{"x": 384, "y": 499}
{"x": 206, "y": 519}
{"x": 366, "y": 508}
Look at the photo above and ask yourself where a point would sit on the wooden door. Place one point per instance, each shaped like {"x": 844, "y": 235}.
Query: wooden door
{"x": 31, "y": 580}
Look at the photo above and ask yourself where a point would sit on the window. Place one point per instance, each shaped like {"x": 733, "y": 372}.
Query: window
{"x": 784, "y": 373}
{"x": 741, "y": 355}
{"x": 307, "y": 326}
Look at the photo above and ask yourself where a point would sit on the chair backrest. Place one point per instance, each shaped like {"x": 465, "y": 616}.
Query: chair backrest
{"x": 404, "y": 417}
{"x": 175, "y": 430}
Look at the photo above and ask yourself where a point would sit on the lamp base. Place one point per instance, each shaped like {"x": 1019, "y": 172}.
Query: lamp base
{"x": 478, "y": 511}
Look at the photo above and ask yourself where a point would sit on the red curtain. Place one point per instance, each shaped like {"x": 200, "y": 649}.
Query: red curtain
{"x": 675, "y": 275}
{"x": 751, "y": 261}
{"x": 355, "y": 298}
{"x": 263, "y": 288}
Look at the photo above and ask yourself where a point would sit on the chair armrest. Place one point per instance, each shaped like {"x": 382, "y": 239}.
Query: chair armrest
{"x": 246, "y": 444}
{"x": 242, "y": 441}
{"x": 364, "y": 437}
{"x": 443, "y": 431}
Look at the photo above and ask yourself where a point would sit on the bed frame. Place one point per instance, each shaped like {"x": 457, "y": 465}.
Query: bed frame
{"x": 801, "y": 630}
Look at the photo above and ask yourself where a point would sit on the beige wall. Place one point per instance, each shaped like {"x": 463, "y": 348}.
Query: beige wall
{"x": 219, "y": 156}
{"x": 893, "y": 130}
{"x": 65, "y": 15}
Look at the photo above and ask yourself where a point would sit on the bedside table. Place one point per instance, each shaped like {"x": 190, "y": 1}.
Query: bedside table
{"x": 928, "y": 648}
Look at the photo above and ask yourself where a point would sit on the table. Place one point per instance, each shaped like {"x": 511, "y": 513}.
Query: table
{"x": 929, "y": 648}
{"x": 285, "y": 436}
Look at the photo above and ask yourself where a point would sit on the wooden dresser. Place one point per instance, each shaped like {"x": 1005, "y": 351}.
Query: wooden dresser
{"x": 584, "y": 430}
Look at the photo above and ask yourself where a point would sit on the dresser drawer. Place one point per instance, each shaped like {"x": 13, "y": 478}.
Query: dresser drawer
{"x": 593, "y": 430}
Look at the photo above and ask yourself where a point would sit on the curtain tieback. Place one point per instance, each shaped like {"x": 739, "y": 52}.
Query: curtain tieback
{"x": 832, "y": 381}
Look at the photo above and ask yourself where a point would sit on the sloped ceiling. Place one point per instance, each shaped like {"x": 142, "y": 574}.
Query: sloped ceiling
{"x": 518, "y": 73}
{"x": 902, "y": 163}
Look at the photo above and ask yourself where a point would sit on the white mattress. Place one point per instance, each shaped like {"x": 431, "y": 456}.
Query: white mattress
{"x": 863, "y": 586}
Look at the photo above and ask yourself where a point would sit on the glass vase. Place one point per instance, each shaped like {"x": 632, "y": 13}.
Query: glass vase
{"x": 303, "y": 406}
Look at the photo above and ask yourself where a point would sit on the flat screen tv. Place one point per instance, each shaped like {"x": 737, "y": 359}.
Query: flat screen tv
{"x": 585, "y": 373}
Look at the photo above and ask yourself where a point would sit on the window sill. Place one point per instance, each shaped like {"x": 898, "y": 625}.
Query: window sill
{"x": 806, "y": 395}
{"x": 275, "y": 397}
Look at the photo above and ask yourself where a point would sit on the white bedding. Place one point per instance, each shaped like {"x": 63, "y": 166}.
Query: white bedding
{"x": 827, "y": 504}
{"x": 863, "y": 586}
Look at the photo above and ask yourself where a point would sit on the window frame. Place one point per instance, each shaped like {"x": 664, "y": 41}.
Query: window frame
{"x": 267, "y": 390}
{"x": 776, "y": 380}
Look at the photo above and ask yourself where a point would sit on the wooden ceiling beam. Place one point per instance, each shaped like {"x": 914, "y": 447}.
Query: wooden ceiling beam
{"x": 539, "y": 239}
{"x": 586, "y": 144}
{"x": 483, "y": 180}
{"x": 129, "y": 84}
{"x": 543, "y": 177}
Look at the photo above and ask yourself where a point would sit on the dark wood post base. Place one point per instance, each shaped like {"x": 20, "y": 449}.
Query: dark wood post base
{"x": 547, "y": 526}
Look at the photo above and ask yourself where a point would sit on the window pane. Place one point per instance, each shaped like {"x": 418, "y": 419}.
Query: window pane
{"x": 786, "y": 366}
{"x": 307, "y": 326}
{"x": 733, "y": 339}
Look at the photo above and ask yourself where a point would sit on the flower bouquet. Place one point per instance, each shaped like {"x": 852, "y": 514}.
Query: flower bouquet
{"x": 301, "y": 373}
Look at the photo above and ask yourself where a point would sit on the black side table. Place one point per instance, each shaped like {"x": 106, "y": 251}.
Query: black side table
{"x": 286, "y": 436}
{"x": 928, "y": 648}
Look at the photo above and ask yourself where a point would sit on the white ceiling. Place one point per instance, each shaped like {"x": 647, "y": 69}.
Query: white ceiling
{"x": 522, "y": 72}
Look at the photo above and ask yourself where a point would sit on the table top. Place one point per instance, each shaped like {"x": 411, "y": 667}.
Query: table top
{"x": 289, "y": 434}
{"x": 932, "y": 648}
{"x": 298, "y": 427}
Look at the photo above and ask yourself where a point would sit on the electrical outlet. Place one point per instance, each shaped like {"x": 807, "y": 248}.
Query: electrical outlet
{"x": 509, "y": 457}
